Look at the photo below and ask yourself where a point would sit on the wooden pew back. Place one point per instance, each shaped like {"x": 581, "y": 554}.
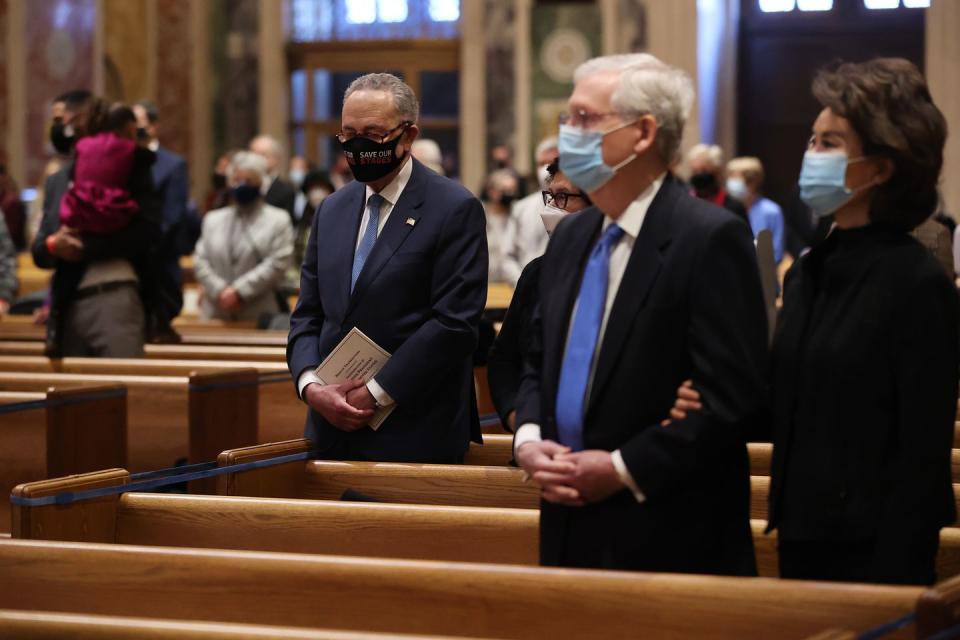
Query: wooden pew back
{"x": 427, "y": 597}
{"x": 45, "y": 625}
{"x": 57, "y": 432}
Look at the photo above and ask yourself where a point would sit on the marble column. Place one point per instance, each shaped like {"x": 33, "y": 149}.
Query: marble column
{"x": 174, "y": 53}
{"x": 500, "y": 85}
{"x": 201, "y": 157}
{"x": 473, "y": 107}
{"x": 4, "y": 89}
{"x": 672, "y": 31}
{"x": 274, "y": 91}
{"x": 942, "y": 52}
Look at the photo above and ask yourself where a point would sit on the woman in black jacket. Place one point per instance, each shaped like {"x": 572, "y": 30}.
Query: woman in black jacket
{"x": 865, "y": 356}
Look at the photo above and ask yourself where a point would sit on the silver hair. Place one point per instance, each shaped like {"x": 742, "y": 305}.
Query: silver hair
{"x": 275, "y": 146}
{"x": 403, "y": 97}
{"x": 648, "y": 86}
{"x": 547, "y": 144}
{"x": 247, "y": 161}
{"x": 710, "y": 152}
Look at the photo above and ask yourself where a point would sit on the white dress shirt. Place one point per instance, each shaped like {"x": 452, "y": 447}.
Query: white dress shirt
{"x": 390, "y": 194}
{"x": 631, "y": 221}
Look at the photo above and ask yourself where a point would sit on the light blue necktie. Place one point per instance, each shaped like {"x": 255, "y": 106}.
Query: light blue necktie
{"x": 575, "y": 372}
{"x": 369, "y": 237}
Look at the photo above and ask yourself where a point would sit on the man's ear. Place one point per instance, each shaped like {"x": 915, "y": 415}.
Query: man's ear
{"x": 647, "y": 129}
{"x": 409, "y": 135}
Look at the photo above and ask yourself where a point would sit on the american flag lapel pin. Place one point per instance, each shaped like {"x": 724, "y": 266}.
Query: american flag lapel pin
{"x": 411, "y": 221}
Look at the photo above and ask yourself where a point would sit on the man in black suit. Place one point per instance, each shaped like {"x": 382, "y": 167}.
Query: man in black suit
{"x": 179, "y": 226}
{"x": 277, "y": 192}
{"x": 401, "y": 254}
{"x": 644, "y": 290}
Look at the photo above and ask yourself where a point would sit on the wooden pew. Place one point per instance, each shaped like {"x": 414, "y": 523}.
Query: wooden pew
{"x": 170, "y": 417}
{"x": 761, "y": 454}
{"x": 410, "y": 596}
{"x": 168, "y": 351}
{"x": 45, "y": 625}
{"x": 496, "y": 450}
{"x": 280, "y": 411}
{"x": 56, "y": 432}
{"x": 473, "y": 534}
{"x": 21, "y": 328}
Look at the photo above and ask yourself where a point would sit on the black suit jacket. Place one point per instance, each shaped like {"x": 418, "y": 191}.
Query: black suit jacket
{"x": 505, "y": 363}
{"x": 865, "y": 396}
{"x": 419, "y": 296}
{"x": 282, "y": 195}
{"x": 689, "y": 306}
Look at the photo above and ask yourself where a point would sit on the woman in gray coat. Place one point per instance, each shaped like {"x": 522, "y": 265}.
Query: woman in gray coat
{"x": 244, "y": 249}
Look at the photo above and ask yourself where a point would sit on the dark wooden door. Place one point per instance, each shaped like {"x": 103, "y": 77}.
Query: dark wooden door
{"x": 779, "y": 53}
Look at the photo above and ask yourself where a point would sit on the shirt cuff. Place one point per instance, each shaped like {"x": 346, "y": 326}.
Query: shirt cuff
{"x": 528, "y": 432}
{"x": 625, "y": 476}
{"x": 382, "y": 397}
{"x": 307, "y": 377}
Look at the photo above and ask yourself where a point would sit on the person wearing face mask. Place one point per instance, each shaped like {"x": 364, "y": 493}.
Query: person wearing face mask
{"x": 501, "y": 193}
{"x": 218, "y": 196}
{"x": 400, "y": 254}
{"x": 645, "y": 289}
{"x": 530, "y": 239}
{"x": 277, "y": 192}
{"x": 297, "y": 171}
{"x": 744, "y": 181}
{"x": 865, "y": 358}
{"x": 102, "y": 293}
{"x": 180, "y": 225}
{"x": 244, "y": 249}
{"x": 705, "y": 163}
{"x": 515, "y": 339}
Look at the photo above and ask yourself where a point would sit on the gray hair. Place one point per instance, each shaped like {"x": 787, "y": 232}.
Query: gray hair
{"x": 648, "y": 86}
{"x": 403, "y": 97}
{"x": 247, "y": 161}
{"x": 710, "y": 152}
{"x": 547, "y": 144}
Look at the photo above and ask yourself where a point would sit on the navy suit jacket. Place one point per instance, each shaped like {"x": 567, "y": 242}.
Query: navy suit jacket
{"x": 689, "y": 307}
{"x": 420, "y": 296}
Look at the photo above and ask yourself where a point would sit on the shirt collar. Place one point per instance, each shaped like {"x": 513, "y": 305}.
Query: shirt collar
{"x": 391, "y": 192}
{"x": 153, "y": 146}
{"x": 631, "y": 220}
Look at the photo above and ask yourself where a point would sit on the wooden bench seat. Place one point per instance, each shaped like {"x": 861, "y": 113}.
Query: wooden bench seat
{"x": 280, "y": 413}
{"x": 45, "y": 625}
{"x": 21, "y": 328}
{"x": 59, "y": 431}
{"x": 409, "y": 596}
{"x": 170, "y": 417}
{"x": 472, "y": 534}
{"x": 168, "y": 351}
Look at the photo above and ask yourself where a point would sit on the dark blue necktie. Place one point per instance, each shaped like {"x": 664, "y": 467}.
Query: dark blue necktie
{"x": 369, "y": 237}
{"x": 582, "y": 343}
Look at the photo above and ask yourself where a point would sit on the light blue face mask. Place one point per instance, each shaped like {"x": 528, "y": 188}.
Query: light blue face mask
{"x": 823, "y": 181}
{"x": 581, "y": 157}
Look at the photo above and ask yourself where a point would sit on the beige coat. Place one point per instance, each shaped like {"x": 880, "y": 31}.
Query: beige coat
{"x": 247, "y": 249}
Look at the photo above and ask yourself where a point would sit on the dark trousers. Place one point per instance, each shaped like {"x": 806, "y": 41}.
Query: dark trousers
{"x": 858, "y": 561}
{"x": 342, "y": 451}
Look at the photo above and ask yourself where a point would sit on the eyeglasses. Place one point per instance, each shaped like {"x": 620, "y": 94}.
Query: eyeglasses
{"x": 379, "y": 138}
{"x": 560, "y": 198}
{"x": 584, "y": 119}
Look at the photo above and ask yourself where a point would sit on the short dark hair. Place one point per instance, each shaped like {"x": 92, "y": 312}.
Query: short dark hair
{"x": 888, "y": 104}
{"x": 153, "y": 114}
{"x": 553, "y": 168}
{"x": 118, "y": 116}
{"x": 74, "y": 98}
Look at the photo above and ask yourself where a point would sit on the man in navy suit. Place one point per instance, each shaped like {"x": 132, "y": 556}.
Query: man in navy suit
{"x": 648, "y": 288}
{"x": 179, "y": 226}
{"x": 401, "y": 254}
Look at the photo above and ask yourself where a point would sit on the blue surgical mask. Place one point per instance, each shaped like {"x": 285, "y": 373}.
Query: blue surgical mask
{"x": 823, "y": 181}
{"x": 244, "y": 194}
{"x": 737, "y": 188}
{"x": 581, "y": 157}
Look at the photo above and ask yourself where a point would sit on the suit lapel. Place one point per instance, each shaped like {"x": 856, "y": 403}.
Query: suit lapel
{"x": 557, "y": 314}
{"x": 642, "y": 270}
{"x": 395, "y": 231}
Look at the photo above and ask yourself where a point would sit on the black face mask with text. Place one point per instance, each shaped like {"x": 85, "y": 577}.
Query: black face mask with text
{"x": 370, "y": 160}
